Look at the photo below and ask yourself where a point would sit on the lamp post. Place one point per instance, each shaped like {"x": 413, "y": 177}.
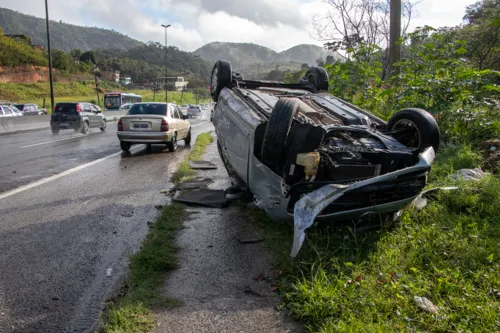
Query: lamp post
{"x": 166, "y": 52}
{"x": 50, "y": 56}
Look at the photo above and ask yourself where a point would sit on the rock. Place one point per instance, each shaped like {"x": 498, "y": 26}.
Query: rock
{"x": 426, "y": 305}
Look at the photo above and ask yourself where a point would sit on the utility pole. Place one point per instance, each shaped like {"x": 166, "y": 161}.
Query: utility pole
{"x": 394, "y": 37}
{"x": 97, "y": 88}
{"x": 166, "y": 53}
{"x": 50, "y": 57}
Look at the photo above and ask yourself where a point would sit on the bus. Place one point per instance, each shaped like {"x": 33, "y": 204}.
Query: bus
{"x": 113, "y": 101}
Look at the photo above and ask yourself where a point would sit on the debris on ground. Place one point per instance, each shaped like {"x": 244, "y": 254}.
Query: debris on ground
{"x": 192, "y": 184}
{"x": 202, "y": 165}
{"x": 469, "y": 174}
{"x": 250, "y": 240}
{"x": 426, "y": 305}
{"x": 204, "y": 197}
{"x": 421, "y": 201}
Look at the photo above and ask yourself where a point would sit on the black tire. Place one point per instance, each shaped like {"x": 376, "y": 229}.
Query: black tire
{"x": 221, "y": 77}
{"x": 85, "y": 127}
{"x": 125, "y": 146}
{"x": 423, "y": 130}
{"x": 278, "y": 126}
{"x": 172, "y": 145}
{"x": 187, "y": 140}
{"x": 55, "y": 130}
{"x": 318, "y": 78}
{"x": 103, "y": 125}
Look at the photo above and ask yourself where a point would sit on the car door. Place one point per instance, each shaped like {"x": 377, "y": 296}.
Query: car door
{"x": 183, "y": 124}
{"x": 173, "y": 120}
{"x": 97, "y": 115}
{"x": 87, "y": 113}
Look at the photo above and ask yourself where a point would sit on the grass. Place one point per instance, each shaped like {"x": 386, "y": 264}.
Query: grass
{"x": 349, "y": 281}
{"x": 131, "y": 311}
{"x": 185, "y": 172}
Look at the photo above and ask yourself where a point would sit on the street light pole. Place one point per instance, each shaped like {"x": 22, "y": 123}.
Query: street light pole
{"x": 166, "y": 52}
{"x": 50, "y": 56}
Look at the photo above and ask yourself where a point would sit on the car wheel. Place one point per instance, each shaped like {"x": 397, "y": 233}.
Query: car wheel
{"x": 278, "y": 126}
{"x": 55, "y": 130}
{"x": 103, "y": 125}
{"x": 125, "y": 146}
{"x": 187, "y": 140}
{"x": 85, "y": 127}
{"x": 317, "y": 77}
{"x": 415, "y": 128}
{"x": 172, "y": 145}
{"x": 221, "y": 77}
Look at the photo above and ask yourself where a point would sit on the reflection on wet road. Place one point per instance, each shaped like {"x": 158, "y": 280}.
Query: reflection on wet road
{"x": 73, "y": 208}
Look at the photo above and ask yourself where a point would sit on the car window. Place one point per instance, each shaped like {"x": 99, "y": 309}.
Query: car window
{"x": 148, "y": 108}
{"x": 173, "y": 112}
{"x": 86, "y": 107}
{"x": 65, "y": 108}
{"x": 181, "y": 115}
{"x": 19, "y": 106}
{"x": 7, "y": 110}
{"x": 94, "y": 108}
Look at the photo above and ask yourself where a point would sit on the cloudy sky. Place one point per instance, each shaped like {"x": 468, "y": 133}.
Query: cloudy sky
{"x": 277, "y": 24}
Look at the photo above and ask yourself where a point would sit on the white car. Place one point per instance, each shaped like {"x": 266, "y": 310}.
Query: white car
{"x": 184, "y": 109}
{"x": 9, "y": 111}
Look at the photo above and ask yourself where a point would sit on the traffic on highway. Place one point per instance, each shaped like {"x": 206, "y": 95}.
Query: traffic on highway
{"x": 74, "y": 206}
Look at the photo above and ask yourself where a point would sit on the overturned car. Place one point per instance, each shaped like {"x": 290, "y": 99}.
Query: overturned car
{"x": 307, "y": 155}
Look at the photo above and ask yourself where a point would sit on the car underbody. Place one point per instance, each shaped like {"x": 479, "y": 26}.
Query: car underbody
{"x": 307, "y": 155}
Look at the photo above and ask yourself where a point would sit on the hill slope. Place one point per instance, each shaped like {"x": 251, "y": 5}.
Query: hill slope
{"x": 63, "y": 36}
{"x": 244, "y": 55}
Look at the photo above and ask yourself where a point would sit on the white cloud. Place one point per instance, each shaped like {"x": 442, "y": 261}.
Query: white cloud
{"x": 277, "y": 24}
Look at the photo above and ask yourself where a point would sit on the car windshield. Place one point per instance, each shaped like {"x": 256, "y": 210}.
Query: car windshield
{"x": 65, "y": 107}
{"x": 14, "y": 108}
{"x": 158, "y": 109}
{"x": 19, "y": 106}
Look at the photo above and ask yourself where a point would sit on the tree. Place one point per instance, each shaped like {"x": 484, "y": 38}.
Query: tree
{"x": 482, "y": 33}
{"x": 394, "y": 36}
{"x": 88, "y": 57}
{"x": 320, "y": 62}
{"x": 76, "y": 54}
{"x": 304, "y": 66}
{"x": 353, "y": 24}
{"x": 61, "y": 60}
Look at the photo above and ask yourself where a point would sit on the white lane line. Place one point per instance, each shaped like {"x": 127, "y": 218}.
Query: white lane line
{"x": 54, "y": 177}
{"x": 199, "y": 124}
{"x": 47, "y": 142}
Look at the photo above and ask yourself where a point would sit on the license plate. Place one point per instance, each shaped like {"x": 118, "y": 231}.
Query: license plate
{"x": 63, "y": 124}
{"x": 141, "y": 125}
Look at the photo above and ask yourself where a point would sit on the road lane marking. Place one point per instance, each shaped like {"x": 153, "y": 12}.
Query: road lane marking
{"x": 47, "y": 142}
{"x": 199, "y": 124}
{"x": 59, "y": 175}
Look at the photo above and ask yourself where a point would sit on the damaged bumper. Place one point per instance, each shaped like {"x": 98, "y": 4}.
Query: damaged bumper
{"x": 310, "y": 206}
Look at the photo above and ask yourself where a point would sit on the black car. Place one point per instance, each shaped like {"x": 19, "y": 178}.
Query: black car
{"x": 77, "y": 116}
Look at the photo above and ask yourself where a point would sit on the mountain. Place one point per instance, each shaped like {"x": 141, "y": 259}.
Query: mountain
{"x": 245, "y": 55}
{"x": 63, "y": 36}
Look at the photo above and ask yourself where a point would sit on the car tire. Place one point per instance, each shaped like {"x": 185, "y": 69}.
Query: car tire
{"x": 172, "y": 145}
{"x": 187, "y": 140}
{"x": 85, "y": 127}
{"x": 55, "y": 130}
{"x": 103, "y": 125}
{"x": 278, "y": 126}
{"x": 426, "y": 129}
{"x": 125, "y": 146}
{"x": 318, "y": 78}
{"x": 221, "y": 77}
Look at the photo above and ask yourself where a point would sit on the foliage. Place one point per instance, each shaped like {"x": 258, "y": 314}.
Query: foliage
{"x": 15, "y": 53}
{"x": 61, "y": 60}
{"x": 63, "y": 36}
{"x": 88, "y": 57}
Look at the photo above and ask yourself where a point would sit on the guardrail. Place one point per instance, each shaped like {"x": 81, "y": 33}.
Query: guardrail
{"x": 10, "y": 125}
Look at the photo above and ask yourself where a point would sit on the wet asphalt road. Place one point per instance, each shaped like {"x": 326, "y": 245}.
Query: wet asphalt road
{"x": 65, "y": 243}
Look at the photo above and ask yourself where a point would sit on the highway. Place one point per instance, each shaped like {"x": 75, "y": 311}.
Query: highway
{"x": 72, "y": 210}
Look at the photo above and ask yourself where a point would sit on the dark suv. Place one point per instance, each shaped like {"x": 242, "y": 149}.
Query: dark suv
{"x": 77, "y": 116}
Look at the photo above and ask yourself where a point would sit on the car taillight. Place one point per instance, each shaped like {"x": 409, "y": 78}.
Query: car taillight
{"x": 78, "y": 108}
{"x": 164, "y": 126}
{"x": 120, "y": 125}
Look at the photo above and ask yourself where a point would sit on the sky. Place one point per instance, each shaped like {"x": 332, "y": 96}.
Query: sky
{"x": 277, "y": 24}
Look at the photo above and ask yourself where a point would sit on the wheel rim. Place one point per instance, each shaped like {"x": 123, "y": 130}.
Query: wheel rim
{"x": 85, "y": 127}
{"x": 215, "y": 77}
{"x": 411, "y": 137}
{"x": 103, "y": 124}
{"x": 311, "y": 79}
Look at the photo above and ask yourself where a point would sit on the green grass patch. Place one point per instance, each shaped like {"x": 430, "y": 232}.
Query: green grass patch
{"x": 131, "y": 312}
{"x": 349, "y": 281}
{"x": 185, "y": 172}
